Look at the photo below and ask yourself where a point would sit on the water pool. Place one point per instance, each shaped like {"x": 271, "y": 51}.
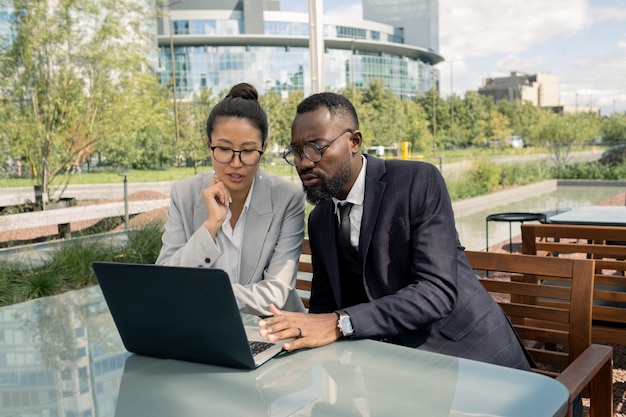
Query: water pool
{"x": 471, "y": 227}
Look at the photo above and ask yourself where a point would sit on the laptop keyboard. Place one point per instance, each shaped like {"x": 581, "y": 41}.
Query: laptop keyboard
{"x": 258, "y": 347}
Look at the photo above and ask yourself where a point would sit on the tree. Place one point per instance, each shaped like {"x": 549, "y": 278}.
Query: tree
{"x": 613, "y": 129}
{"x": 381, "y": 116}
{"x": 561, "y": 131}
{"x": 525, "y": 118}
{"x": 145, "y": 139}
{"x": 416, "y": 126}
{"x": 280, "y": 114}
{"x": 476, "y": 111}
{"x": 496, "y": 126}
{"x": 193, "y": 116}
{"x": 71, "y": 77}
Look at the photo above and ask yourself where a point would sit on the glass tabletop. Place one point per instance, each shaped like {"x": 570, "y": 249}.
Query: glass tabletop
{"x": 62, "y": 356}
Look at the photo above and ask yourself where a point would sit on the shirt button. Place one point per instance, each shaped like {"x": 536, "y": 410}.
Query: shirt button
{"x": 207, "y": 260}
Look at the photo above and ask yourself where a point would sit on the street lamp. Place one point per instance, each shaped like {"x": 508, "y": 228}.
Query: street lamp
{"x": 126, "y": 217}
{"x": 452, "y": 92}
{"x": 268, "y": 84}
{"x": 434, "y": 113}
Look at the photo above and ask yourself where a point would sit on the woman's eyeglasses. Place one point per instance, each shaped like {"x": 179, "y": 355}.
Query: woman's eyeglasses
{"x": 225, "y": 155}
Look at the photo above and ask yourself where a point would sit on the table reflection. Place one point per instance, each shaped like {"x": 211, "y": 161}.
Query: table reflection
{"x": 333, "y": 380}
{"x": 63, "y": 346}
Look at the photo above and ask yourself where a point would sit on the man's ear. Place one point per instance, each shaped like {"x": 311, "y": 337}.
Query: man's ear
{"x": 356, "y": 139}
{"x": 206, "y": 141}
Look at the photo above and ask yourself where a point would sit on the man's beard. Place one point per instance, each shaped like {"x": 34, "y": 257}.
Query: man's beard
{"x": 330, "y": 186}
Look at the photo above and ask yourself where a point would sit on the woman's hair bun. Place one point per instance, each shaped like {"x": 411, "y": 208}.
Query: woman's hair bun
{"x": 244, "y": 90}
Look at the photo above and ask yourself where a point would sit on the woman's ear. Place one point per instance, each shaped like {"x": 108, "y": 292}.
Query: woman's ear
{"x": 207, "y": 141}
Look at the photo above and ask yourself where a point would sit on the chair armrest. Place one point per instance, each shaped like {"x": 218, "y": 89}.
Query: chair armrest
{"x": 595, "y": 367}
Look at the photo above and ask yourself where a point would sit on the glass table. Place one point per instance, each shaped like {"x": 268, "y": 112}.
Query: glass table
{"x": 592, "y": 216}
{"x": 62, "y": 356}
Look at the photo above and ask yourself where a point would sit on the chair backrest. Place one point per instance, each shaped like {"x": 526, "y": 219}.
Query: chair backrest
{"x": 305, "y": 272}
{"x": 607, "y": 246}
{"x": 548, "y": 301}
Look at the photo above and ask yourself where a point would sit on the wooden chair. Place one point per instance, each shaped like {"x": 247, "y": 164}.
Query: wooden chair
{"x": 607, "y": 246}
{"x": 305, "y": 269}
{"x": 553, "y": 319}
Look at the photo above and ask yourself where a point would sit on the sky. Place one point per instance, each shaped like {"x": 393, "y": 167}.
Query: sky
{"x": 581, "y": 42}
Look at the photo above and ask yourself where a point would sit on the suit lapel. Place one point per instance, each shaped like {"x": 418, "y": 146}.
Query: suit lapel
{"x": 200, "y": 212}
{"x": 374, "y": 189}
{"x": 258, "y": 221}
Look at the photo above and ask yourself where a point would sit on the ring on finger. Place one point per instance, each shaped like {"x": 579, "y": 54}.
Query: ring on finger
{"x": 299, "y": 332}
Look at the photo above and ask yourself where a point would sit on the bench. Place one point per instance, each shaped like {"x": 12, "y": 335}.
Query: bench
{"x": 607, "y": 246}
{"x": 64, "y": 216}
{"x": 553, "y": 321}
{"x": 305, "y": 271}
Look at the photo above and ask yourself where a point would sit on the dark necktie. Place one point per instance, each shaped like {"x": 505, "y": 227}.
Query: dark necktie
{"x": 344, "y": 226}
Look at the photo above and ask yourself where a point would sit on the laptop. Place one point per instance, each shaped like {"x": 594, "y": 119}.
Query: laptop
{"x": 182, "y": 313}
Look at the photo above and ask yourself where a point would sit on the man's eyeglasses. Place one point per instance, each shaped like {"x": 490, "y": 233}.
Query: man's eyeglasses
{"x": 226, "y": 155}
{"x": 311, "y": 151}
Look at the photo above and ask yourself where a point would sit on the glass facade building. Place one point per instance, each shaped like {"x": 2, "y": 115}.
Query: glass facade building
{"x": 217, "y": 44}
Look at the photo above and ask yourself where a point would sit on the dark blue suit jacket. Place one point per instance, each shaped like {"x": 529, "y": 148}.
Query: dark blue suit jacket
{"x": 422, "y": 291}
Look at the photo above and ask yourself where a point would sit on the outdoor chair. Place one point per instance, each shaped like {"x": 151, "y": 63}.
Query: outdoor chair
{"x": 607, "y": 246}
{"x": 548, "y": 301}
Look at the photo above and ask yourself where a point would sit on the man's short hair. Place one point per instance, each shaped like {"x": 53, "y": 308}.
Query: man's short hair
{"x": 338, "y": 106}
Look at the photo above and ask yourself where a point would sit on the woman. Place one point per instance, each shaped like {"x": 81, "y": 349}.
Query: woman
{"x": 238, "y": 218}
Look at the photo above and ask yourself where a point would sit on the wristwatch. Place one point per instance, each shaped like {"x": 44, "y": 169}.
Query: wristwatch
{"x": 345, "y": 324}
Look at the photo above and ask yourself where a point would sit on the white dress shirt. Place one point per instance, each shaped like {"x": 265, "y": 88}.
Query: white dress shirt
{"x": 229, "y": 240}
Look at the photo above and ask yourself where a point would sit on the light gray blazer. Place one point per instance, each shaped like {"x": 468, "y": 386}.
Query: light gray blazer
{"x": 271, "y": 246}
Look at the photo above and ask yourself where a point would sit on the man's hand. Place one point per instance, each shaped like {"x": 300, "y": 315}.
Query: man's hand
{"x": 310, "y": 330}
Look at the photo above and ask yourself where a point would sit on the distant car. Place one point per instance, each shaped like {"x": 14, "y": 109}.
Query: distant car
{"x": 515, "y": 142}
{"x": 613, "y": 156}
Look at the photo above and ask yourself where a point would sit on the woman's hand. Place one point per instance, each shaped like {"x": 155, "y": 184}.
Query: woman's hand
{"x": 217, "y": 199}
{"x": 309, "y": 330}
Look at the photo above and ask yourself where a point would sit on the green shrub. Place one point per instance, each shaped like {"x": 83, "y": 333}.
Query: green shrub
{"x": 590, "y": 171}
{"x": 486, "y": 176}
{"x": 143, "y": 245}
{"x": 527, "y": 173}
{"x": 69, "y": 267}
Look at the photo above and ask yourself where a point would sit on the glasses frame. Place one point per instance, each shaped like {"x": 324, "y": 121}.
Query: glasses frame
{"x": 293, "y": 152}
{"x": 236, "y": 152}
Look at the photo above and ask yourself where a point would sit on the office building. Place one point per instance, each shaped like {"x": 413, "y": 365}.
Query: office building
{"x": 218, "y": 43}
{"x": 540, "y": 89}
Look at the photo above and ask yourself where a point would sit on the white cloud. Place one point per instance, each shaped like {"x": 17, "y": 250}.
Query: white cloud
{"x": 581, "y": 44}
{"x": 599, "y": 79}
{"x": 478, "y": 28}
{"x": 604, "y": 14}
{"x": 513, "y": 62}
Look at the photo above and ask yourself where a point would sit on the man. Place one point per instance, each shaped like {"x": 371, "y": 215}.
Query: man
{"x": 403, "y": 277}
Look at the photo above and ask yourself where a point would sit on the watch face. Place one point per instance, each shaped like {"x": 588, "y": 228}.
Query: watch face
{"x": 346, "y": 326}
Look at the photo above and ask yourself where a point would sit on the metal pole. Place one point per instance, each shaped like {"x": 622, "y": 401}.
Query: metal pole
{"x": 125, "y": 174}
{"x": 434, "y": 117}
{"x": 316, "y": 46}
{"x": 172, "y": 57}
